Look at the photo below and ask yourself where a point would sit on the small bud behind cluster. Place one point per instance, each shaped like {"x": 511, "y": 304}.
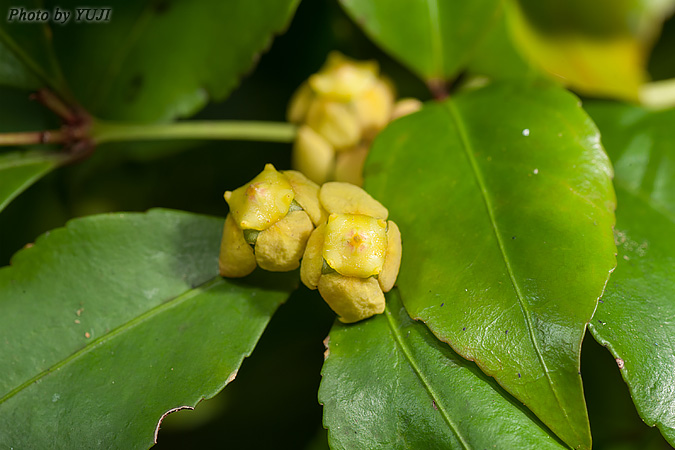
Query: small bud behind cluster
{"x": 350, "y": 252}
{"x": 340, "y": 110}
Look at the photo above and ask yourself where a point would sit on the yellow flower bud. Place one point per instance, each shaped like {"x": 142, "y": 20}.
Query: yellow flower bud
{"x": 355, "y": 256}
{"x": 280, "y": 247}
{"x": 374, "y": 108}
{"x": 392, "y": 261}
{"x": 236, "y": 256}
{"x": 307, "y": 196}
{"x": 405, "y": 106}
{"x": 261, "y": 202}
{"x": 349, "y": 165}
{"x": 300, "y": 103}
{"x": 344, "y": 198}
{"x": 270, "y": 220}
{"x": 343, "y": 79}
{"x": 335, "y": 122}
{"x": 353, "y": 299}
{"x": 355, "y": 245}
{"x": 313, "y": 155}
{"x": 344, "y": 105}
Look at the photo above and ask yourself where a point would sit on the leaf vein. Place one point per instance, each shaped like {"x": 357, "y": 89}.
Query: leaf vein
{"x": 436, "y": 40}
{"x": 468, "y": 150}
{"x": 176, "y": 301}
{"x": 427, "y": 386}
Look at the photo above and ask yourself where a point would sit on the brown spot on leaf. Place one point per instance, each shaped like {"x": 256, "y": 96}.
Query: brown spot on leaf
{"x": 230, "y": 378}
{"x": 326, "y": 353}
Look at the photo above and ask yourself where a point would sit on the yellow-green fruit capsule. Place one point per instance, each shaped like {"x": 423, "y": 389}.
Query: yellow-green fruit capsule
{"x": 353, "y": 299}
{"x": 392, "y": 260}
{"x": 270, "y": 221}
{"x": 280, "y": 247}
{"x": 261, "y": 202}
{"x": 344, "y": 198}
{"x": 236, "y": 256}
{"x": 355, "y": 256}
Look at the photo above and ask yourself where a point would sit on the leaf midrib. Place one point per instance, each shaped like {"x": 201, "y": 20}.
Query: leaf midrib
{"x": 127, "y": 326}
{"x": 468, "y": 150}
{"x": 427, "y": 386}
{"x": 436, "y": 39}
{"x": 27, "y": 161}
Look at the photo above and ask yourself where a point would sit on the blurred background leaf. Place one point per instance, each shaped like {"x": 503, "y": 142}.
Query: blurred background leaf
{"x": 598, "y": 48}
{"x": 29, "y": 60}
{"x": 635, "y": 318}
{"x": 155, "y": 59}
{"x": 434, "y": 39}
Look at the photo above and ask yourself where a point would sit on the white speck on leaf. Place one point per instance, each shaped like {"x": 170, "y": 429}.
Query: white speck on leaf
{"x": 526, "y": 132}
{"x": 55, "y": 398}
{"x": 535, "y": 171}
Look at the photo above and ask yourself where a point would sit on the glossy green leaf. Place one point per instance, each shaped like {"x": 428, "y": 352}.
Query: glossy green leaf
{"x": 19, "y": 170}
{"x": 636, "y": 318}
{"x": 434, "y": 39}
{"x": 598, "y": 48}
{"x": 387, "y": 383}
{"x": 113, "y": 321}
{"x": 504, "y": 200}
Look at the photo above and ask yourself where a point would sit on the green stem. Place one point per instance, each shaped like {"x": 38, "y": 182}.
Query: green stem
{"x": 102, "y": 131}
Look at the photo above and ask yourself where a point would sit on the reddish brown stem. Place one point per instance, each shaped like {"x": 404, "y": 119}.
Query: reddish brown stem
{"x": 438, "y": 88}
{"x": 56, "y": 105}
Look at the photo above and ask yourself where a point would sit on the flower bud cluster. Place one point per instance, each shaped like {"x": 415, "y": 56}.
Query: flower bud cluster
{"x": 350, "y": 252}
{"x": 340, "y": 109}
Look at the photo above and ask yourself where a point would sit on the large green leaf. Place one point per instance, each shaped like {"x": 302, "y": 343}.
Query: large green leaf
{"x": 506, "y": 207}
{"x": 115, "y": 320}
{"x": 389, "y": 384}
{"x": 19, "y": 170}
{"x": 162, "y": 59}
{"x": 598, "y": 48}
{"x": 435, "y": 39}
{"x": 635, "y": 319}
{"x": 157, "y": 60}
